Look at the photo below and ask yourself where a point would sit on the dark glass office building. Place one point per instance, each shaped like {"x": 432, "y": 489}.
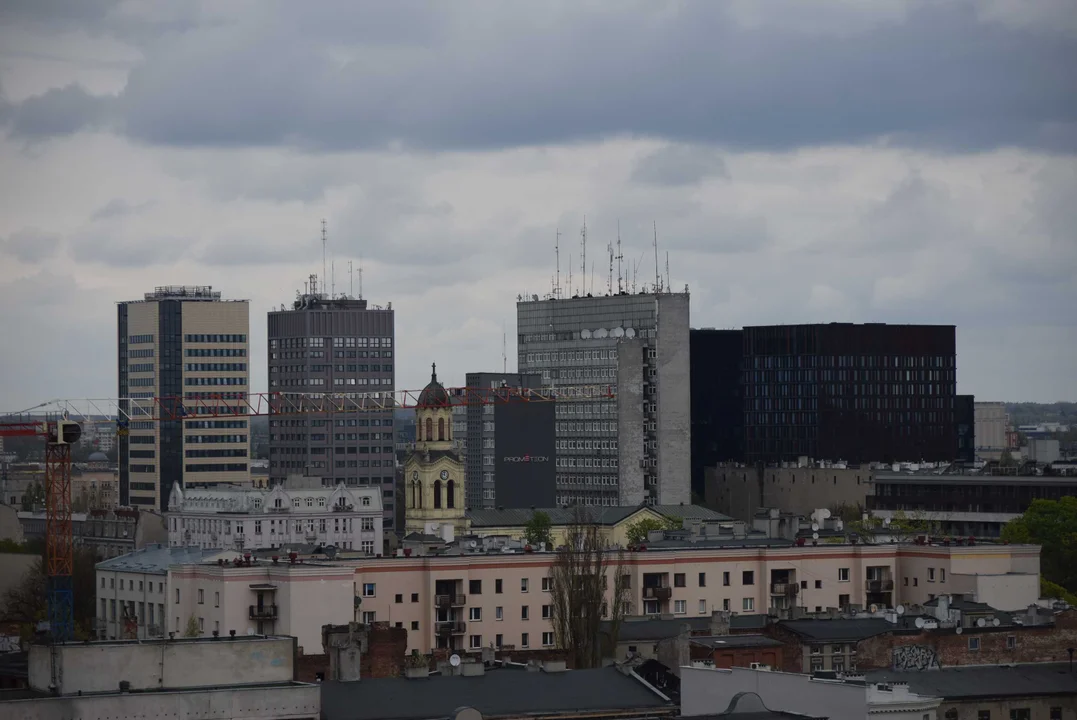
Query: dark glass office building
{"x": 859, "y": 393}
{"x": 717, "y": 400}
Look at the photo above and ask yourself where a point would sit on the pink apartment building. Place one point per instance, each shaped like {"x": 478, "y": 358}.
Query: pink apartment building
{"x": 469, "y": 601}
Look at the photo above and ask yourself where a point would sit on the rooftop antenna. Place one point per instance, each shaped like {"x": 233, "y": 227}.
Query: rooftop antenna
{"x": 592, "y": 276}
{"x": 504, "y": 351}
{"x": 657, "y": 279}
{"x": 609, "y": 281}
{"x": 669, "y": 286}
{"x": 360, "y": 275}
{"x": 570, "y": 273}
{"x": 351, "y": 287}
{"x": 325, "y": 239}
{"x": 557, "y": 254}
{"x": 583, "y": 262}
{"x": 333, "y": 277}
{"x": 619, "y": 258}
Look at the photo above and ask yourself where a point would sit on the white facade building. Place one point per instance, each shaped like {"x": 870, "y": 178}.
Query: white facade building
{"x": 349, "y": 518}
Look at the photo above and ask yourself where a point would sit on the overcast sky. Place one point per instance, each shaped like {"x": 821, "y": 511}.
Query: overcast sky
{"x": 834, "y": 160}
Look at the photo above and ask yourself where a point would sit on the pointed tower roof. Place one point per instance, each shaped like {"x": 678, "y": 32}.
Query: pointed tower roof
{"x": 434, "y": 394}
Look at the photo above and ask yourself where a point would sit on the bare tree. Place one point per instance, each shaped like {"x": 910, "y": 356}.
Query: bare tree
{"x": 579, "y": 588}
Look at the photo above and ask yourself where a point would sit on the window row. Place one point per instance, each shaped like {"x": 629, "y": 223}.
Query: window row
{"x": 214, "y": 338}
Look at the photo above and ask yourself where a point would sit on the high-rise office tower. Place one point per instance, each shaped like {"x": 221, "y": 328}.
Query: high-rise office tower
{"x": 476, "y": 425}
{"x": 344, "y": 346}
{"x": 634, "y": 447}
{"x": 183, "y": 342}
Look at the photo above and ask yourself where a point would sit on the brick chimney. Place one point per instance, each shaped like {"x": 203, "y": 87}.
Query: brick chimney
{"x": 719, "y": 623}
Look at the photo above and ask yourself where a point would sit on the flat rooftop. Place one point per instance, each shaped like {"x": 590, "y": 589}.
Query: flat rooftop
{"x": 986, "y": 681}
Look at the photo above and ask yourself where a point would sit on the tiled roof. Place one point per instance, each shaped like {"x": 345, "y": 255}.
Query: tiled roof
{"x": 838, "y": 630}
{"x": 982, "y": 681}
{"x": 499, "y": 692}
{"x": 156, "y": 559}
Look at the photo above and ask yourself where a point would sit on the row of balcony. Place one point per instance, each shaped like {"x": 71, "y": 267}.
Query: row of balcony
{"x": 263, "y": 612}
{"x": 450, "y": 627}
{"x": 447, "y": 601}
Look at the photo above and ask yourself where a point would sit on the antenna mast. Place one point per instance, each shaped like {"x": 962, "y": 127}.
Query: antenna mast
{"x": 333, "y": 279}
{"x": 557, "y": 254}
{"x": 668, "y": 285}
{"x": 609, "y": 282}
{"x": 325, "y": 239}
{"x": 619, "y": 258}
{"x": 351, "y": 287}
{"x": 570, "y": 273}
{"x": 504, "y": 351}
{"x": 360, "y": 276}
{"x": 583, "y": 263}
{"x": 657, "y": 280}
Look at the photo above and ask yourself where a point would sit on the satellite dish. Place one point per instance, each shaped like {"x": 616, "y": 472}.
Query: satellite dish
{"x": 958, "y": 631}
{"x": 630, "y": 333}
{"x": 601, "y": 333}
{"x": 454, "y": 660}
{"x": 900, "y": 609}
{"x": 585, "y": 334}
{"x": 815, "y": 536}
{"x": 886, "y": 522}
{"x": 814, "y": 526}
{"x": 919, "y": 622}
{"x": 981, "y": 623}
{"x": 617, "y": 332}
{"x": 873, "y": 609}
{"x": 996, "y": 622}
{"x": 824, "y": 513}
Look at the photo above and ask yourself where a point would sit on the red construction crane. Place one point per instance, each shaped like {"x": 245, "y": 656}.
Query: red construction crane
{"x": 60, "y": 434}
{"x": 59, "y": 544}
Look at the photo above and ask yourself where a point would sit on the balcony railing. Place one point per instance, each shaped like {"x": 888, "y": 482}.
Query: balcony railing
{"x": 450, "y": 627}
{"x": 657, "y": 593}
{"x": 877, "y": 586}
{"x": 445, "y": 601}
{"x": 282, "y": 509}
{"x": 787, "y": 589}
{"x": 263, "y": 612}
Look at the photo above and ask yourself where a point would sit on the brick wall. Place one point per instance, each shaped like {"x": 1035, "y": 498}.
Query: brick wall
{"x": 387, "y": 647}
{"x": 792, "y": 650}
{"x": 945, "y": 648}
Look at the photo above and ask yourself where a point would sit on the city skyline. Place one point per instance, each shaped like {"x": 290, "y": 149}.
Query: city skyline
{"x": 446, "y": 154}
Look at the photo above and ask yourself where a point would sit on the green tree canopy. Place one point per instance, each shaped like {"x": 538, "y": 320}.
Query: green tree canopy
{"x": 538, "y": 529}
{"x": 638, "y": 531}
{"x": 1051, "y": 524}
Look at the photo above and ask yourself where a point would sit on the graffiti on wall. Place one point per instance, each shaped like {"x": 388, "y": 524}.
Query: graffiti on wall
{"x": 914, "y": 657}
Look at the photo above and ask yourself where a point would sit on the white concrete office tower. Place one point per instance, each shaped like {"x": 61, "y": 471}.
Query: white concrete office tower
{"x": 183, "y": 342}
{"x": 633, "y": 448}
{"x": 337, "y": 344}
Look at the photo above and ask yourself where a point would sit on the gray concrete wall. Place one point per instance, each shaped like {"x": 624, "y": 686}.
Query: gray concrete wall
{"x": 740, "y": 491}
{"x": 707, "y": 691}
{"x": 674, "y": 401}
{"x": 630, "y": 399}
{"x": 269, "y": 703}
{"x": 99, "y": 667}
{"x": 10, "y": 527}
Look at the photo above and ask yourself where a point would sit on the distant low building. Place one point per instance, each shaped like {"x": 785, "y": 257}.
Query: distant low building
{"x": 347, "y": 517}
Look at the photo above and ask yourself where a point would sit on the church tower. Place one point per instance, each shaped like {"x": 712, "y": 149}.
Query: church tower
{"x": 433, "y": 471}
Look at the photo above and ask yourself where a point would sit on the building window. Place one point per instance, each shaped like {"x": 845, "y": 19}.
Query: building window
{"x": 931, "y": 574}
{"x": 414, "y": 624}
{"x": 818, "y": 584}
{"x": 177, "y": 596}
{"x": 475, "y": 587}
{"x": 474, "y": 614}
{"x": 497, "y": 586}
{"x": 678, "y": 580}
{"x": 415, "y": 597}
{"x": 547, "y": 639}
{"x": 974, "y": 644}
{"x": 499, "y": 640}
{"x": 524, "y": 640}
{"x": 368, "y": 589}
{"x": 703, "y": 579}
{"x": 476, "y": 642}
{"x": 1020, "y": 714}
{"x": 702, "y": 607}
{"x": 499, "y": 613}
{"x": 748, "y": 604}
{"x": 546, "y": 584}
{"x": 747, "y": 577}
{"x": 725, "y": 579}
{"x": 1056, "y": 713}
{"x": 399, "y": 598}
{"x": 523, "y": 585}
{"x": 524, "y": 614}
{"x": 369, "y": 617}
{"x": 980, "y": 715}
{"x": 680, "y": 607}
{"x": 216, "y": 599}
{"x": 1011, "y": 642}
{"x": 843, "y": 574}
{"x": 547, "y": 612}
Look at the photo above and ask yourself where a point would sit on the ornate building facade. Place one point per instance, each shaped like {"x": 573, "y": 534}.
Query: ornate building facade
{"x": 433, "y": 471}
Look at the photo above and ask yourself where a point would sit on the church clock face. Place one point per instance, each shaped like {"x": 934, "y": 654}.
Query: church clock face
{"x": 415, "y": 475}
{"x": 444, "y": 474}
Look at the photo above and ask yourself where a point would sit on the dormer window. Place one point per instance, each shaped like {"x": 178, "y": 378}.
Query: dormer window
{"x": 277, "y": 503}
{"x": 295, "y": 502}
{"x": 310, "y": 502}
{"x": 321, "y": 502}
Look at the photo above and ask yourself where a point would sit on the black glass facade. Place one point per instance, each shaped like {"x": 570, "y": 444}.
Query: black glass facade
{"x": 717, "y": 400}
{"x": 170, "y": 385}
{"x": 965, "y": 417}
{"x": 860, "y": 393}
{"x": 123, "y": 446}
